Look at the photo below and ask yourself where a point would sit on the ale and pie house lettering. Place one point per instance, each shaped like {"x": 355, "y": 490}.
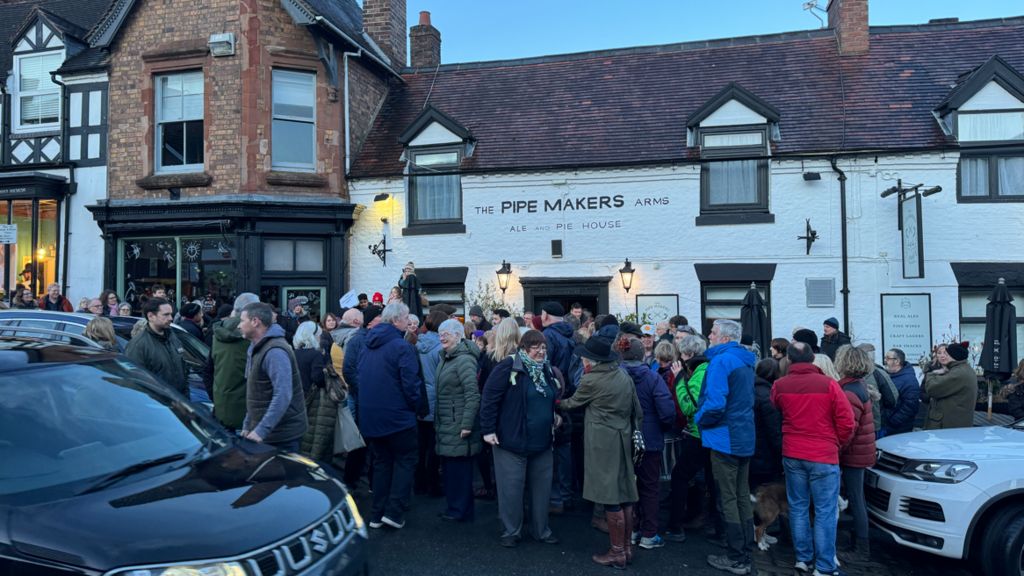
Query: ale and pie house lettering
{"x": 581, "y": 205}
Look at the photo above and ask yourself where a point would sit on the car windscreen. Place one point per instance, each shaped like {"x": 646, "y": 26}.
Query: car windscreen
{"x": 67, "y": 423}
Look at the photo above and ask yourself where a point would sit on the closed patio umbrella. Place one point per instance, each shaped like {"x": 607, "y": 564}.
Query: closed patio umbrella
{"x": 755, "y": 320}
{"x": 999, "y": 350}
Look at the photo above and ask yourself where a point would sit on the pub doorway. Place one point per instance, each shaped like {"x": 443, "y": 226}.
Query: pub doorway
{"x": 590, "y": 292}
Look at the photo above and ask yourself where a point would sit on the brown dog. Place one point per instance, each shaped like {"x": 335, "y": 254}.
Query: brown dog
{"x": 770, "y": 502}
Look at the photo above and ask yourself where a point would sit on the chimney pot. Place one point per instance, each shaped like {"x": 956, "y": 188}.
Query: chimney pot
{"x": 424, "y": 18}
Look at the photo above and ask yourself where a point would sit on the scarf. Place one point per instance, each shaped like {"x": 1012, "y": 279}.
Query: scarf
{"x": 536, "y": 370}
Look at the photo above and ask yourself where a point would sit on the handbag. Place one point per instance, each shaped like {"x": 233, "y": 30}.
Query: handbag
{"x": 337, "y": 389}
{"x": 638, "y": 435}
{"x": 346, "y": 434}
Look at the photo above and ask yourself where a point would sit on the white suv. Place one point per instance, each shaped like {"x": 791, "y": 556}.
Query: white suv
{"x": 957, "y": 493}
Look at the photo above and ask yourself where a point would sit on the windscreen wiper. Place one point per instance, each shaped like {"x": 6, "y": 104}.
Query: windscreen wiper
{"x": 133, "y": 469}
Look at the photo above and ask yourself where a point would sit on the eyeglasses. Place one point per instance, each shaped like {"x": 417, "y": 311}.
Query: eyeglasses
{"x": 891, "y": 358}
{"x": 538, "y": 347}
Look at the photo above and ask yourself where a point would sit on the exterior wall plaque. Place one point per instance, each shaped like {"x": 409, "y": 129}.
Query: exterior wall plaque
{"x": 911, "y": 232}
{"x": 653, "y": 308}
{"x": 907, "y": 324}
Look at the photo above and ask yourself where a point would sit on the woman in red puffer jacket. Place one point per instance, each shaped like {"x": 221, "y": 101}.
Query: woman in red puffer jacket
{"x": 853, "y": 364}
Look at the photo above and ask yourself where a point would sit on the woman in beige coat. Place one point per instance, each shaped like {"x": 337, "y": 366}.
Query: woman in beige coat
{"x": 612, "y": 411}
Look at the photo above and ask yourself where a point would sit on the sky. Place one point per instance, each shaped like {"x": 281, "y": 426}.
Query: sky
{"x": 479, "y": 30}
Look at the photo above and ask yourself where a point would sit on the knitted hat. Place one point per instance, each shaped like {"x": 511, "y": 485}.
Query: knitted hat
{"x": 807, "y": 337}
{"x": 631, "y": 328}
{"x": 553, "y": 309}
{"x": 597, "y": 348}
{"x": 476, "y": 311}
{"x": 369, "y": 313}
{"x": 631, "y": 349}
{"x": 956, "y": 351}
{"x": 832, "y": 322}
{"x": 190, "y": 310}
{"x": 378, "y": 298}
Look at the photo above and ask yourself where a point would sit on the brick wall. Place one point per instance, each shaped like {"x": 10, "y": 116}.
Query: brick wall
{"x": 366, "y": 95}
{"x": 165, "y": 36}
{"x": 849, "y": 18}
{"x": 424, "y": 46}
{"x": 384, "y": 21}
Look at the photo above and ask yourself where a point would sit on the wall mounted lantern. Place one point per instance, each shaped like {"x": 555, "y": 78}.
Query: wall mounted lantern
{"x": 504, "y": 273}
{"x": 626, "y": 272}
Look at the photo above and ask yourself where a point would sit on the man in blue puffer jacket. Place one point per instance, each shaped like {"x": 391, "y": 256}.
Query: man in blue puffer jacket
{"x": 389, "y": 378}
{"x": 725, "y": 416}
{"x": 900, "y": 419}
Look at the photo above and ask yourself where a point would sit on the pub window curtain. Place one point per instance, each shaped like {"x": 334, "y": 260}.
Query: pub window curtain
{"x": 1011, "y": 176}
{"x": 732, "y": 182}
{"x": 437, "y": 197}
{"x": 974, "y": 177}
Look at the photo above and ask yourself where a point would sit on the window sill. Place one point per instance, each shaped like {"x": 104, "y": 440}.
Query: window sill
{"x": 25, "y": 133}
{"x": 988, "y": 199}
{"x": 304, "y": 179}
{"x": 440, "y": 228}
{"x": 182, "y": 180}
{"x": 735, "y": 218}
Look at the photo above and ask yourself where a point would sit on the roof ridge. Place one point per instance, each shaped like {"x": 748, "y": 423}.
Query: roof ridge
{"x": 946, "y": 25}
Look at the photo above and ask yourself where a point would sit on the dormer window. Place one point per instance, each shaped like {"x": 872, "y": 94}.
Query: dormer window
{"x": 733, "y": 132}
{"x": 985, "y": 113}
{"x": 435, "y": 148}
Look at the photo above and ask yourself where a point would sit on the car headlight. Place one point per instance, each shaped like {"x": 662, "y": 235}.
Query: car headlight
{"x": 945, "y": 471}
{"x": 356, "y": 516}
{"x": 214, "y": 569}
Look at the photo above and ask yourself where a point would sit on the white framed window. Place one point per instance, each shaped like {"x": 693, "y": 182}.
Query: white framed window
{"x": 990, "y": 126}
{"x": 179, "y": 122}
{"x": 293, "y": 131}
{"x": 36, "y": 98}
{"x": 435, "y": 187}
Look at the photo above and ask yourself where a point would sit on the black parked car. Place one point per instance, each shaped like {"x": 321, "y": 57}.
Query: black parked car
{"x": 104, "y": 471}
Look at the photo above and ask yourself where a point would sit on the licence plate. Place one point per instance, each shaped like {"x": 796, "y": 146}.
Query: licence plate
{"x": 870, "y": 479}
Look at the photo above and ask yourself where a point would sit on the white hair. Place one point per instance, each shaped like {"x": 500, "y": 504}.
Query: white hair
{"x": 453, "y": 327}
{"x": 730, "y": 329}
{"x": 243, "y": 300}
{"x": 394, "y": 311}
{"x": 307, "y": 335}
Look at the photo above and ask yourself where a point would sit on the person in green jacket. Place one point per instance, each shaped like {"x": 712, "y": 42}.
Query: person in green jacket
{"x": 227, "y": 364}
{"x": 688, "y": 374}
{"x": 456, "y": 418}
{"x": 157, "y": 349}
{"x": 952, "y": 390}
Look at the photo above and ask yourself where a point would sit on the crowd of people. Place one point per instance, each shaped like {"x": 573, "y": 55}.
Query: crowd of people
{"x": 554, "y": 408}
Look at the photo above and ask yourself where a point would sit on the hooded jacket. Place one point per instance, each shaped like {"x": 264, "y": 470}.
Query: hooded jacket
{"x": 951, "y": 397}
{"x": 428, "y": 346}
{"x": 228, "y": 355}
{"x": 860, "y": 452}
{"x": 355, "y": 345}
{"x": 816, "y": 416}
{"x": 458, "y": 402}
{"x": 343, "y": 333}
{"x": 162, "y": 355}
{"x": 688, "y": 391}
{"x": 560, "y": 347}
{"x": 767, "y": 460}
{"x": 901, "y": 418}
{"x": 389, "y": 377}
{"x": 725, "y": 409}
{"x": 659, "y": 410}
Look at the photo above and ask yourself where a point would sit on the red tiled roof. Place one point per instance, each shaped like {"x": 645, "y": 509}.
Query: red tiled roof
{"x": 624, "y": 107}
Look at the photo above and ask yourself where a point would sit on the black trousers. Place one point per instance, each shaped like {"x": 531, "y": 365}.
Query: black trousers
{"x": 394, "y": 460}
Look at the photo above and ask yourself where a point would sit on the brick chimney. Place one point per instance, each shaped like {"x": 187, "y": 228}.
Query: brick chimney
{"x": 384, "y": 21}
{"x": 424, "y": 44}
{"x": 849, "y": 18}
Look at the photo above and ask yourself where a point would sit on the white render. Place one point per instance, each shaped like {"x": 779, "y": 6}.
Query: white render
{"x": 655, "y": 230}
{"x": 992, "y": 97}
{"x": 732, "y": 113}
{"x": 85, "y": 246}
{"x": 435, "y": 134}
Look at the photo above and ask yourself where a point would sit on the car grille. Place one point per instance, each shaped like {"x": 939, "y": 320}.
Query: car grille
{"x": 877, "y": 498}
{"x": 890, "y": 462}
{"x": 923, "y": 509}
{"x": 293, "y": 556}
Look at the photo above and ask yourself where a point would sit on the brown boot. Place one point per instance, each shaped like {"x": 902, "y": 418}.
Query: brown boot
{"x": 616, "y": 554}
{"x": 627, "y": 512}
{"x": 599, "y": 523}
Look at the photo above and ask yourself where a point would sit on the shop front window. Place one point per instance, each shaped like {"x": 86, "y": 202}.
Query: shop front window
{"x": 46, "y": 245}
{"x": 22, "y": 271}
{"x": 189, "y": 269}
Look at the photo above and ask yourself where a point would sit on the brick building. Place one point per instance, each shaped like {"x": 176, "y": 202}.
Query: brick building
{"x": 232, "y": 123}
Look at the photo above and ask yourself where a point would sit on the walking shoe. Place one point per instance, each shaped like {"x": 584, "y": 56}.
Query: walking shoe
{"x": 396, "y": 524}
{"x": 509, "y": 541}
{"x": 674, "y": 536}
{"x": 726, "y": 564}
{"x": 549, "y": 539}
{"x": 801, "y": 567}
{"x": 376, "y": 524}
{"x": 652, "y": 542}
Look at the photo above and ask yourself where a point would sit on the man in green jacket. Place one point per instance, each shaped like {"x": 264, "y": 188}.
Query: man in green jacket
{"x": 157, "y": 348}
{"x": 227, "y": 363}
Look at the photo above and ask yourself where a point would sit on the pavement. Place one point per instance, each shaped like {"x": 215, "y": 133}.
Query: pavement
{"x": 428, "y": 546}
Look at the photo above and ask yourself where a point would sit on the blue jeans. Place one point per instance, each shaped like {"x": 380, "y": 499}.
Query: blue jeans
{"x": 807, "y": 483}
{"x": 561, "y": 481}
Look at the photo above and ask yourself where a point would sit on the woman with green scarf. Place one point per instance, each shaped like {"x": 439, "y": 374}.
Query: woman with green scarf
{"x": 517, "y": 418}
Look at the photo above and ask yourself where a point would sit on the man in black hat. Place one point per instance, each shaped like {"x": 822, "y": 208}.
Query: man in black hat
{"x": 832, "y": 338}
{"x": 476, "y": 316}
{"x": 807, "y": 336}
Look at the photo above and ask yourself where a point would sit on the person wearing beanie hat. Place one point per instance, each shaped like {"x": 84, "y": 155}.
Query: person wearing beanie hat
{"x": 378, "y": 299}
{"x": 192, "y": 320}
{"x": 952, "y": 390}
{"x": 476, "y": 316}
{"x": 631, "y": 329}
{"x": 807, "y": 336}
{"x": 832, "y": 338}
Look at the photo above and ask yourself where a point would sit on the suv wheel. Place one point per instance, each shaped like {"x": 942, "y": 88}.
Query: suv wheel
{"x": 1003, "y": 548}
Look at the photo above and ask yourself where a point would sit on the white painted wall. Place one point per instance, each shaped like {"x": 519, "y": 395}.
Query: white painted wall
{"x": 85, "y": 247}
{"x": 663, "y": 243}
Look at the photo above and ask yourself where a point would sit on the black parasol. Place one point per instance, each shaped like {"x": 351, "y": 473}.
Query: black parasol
{"x": 999, "y": 351}
{"x": 755, "y": 320}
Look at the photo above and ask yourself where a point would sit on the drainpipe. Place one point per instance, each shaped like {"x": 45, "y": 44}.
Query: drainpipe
{"x": 846, "y": 260}
{"x": 348, "y": 129}
{"x": 72, "y": 184}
